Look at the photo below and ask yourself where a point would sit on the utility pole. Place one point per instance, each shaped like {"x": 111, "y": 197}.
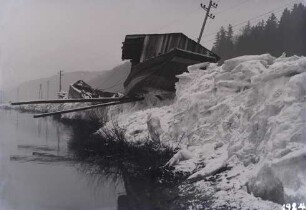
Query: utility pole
{"x": 48, "y": 85}
{"x": 1, "y": 96}
{"x": 208, "y": 15}
{"x": 17, "y": 95}
{"x": 60, "y": 80}
{"x": 40, "y": 91}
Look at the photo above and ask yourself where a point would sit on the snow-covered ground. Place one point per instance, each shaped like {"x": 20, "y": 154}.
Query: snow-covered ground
{"x": 247, "y": 116}
{"x": 242, "y": 125}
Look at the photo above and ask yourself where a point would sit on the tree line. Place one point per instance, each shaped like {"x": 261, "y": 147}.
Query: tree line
{"x": 288, "y": 34}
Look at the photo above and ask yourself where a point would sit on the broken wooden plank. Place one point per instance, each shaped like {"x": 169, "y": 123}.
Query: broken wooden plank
{"x": 55, "y": 101}
{"x": 86, "y": 108}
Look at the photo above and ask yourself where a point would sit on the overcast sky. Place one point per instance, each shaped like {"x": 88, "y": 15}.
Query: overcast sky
{"x": 40, "y": 37}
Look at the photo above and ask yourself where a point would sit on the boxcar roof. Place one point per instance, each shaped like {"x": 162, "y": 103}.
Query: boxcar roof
{"x": 174, "y": 33}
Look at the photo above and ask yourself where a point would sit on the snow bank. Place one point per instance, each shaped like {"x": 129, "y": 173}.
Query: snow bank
{"x": 229, "y": 65}
{"x": 246, "y": 113}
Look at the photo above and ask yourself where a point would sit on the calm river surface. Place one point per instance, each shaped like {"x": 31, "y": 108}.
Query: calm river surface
{"x": 30, "y": 180}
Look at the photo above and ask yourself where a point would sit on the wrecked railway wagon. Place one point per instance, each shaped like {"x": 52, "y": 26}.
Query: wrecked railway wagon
{"x": 81, "y": 89}
{"x": 157, "y": 59}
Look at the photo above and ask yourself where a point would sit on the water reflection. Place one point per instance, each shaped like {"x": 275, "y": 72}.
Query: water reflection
{"x": 47, "y": 127}
{"x": 38, "y": 122}
{"x": 147, "y": 186}
{"x": 17, "y": 120}
{"x": 58, "y": 139}
{"x": 37, "y": 172}
{"x": 141, "y": 191}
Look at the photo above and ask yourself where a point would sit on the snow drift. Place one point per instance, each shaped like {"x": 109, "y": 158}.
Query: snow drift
{"x": 247, "y": 114}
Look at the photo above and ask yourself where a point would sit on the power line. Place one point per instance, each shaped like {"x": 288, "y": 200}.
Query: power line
{"x": 208, "y": 26}
{"x": 233, "y": 30}
{"x": 236, "y": 6}
{"x": 271, "y": 11}
{"x": 194, "y": 12}
{"x": 279, "y": 9}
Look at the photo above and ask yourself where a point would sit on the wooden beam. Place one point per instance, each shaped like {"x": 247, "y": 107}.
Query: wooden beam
{"x": 86, "y": 108}
{"x": 58, "y": 101}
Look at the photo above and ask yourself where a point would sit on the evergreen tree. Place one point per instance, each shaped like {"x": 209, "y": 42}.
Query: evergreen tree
{"x": 284, "y": 32}
{"x": 216, "y": 46}
{"x": 243, "y": 43}
{"x": 271, "y": 36}
{"x": 220, "y": 44}
{"x": 270, "y": 33}
{"x": 229, "y": 45}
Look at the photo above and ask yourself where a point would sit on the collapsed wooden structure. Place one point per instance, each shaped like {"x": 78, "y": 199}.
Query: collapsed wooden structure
{"x": 81, "y": 89}
{"x": 80, "y": 92}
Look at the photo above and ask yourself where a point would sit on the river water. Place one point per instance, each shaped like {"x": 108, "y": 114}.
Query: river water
{"x": 34, "y": 176}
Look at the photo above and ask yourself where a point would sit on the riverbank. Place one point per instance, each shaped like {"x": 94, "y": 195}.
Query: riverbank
{"x": 47, "y": 145}
{"x": 148, "y": 184}
{"x": 238, "y": 128}
{"x": 38, "y": 171}
{"x": 98, "y": 114}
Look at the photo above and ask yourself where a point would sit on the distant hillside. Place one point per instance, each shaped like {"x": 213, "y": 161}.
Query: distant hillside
{"x": 30, "y": 90}
{"x": 112, "y": 81}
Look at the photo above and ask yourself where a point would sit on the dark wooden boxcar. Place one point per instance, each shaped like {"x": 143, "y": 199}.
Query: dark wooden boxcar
{"x": 157, "y": 58}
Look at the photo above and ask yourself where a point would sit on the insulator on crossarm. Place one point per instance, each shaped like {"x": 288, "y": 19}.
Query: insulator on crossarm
{"x": 214, "y": 5}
